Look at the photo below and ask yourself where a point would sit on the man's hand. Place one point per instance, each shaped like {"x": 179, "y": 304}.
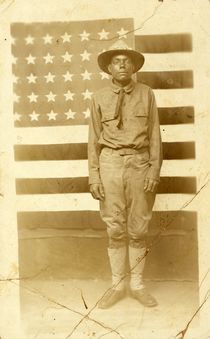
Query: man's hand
{"x": 97, "y": 191}
{"x": 150, "y": 185}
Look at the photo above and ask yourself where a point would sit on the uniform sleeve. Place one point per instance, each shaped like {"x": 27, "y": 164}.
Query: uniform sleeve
{"x": 155, "y": 143}
{"x": 94, "y": 147}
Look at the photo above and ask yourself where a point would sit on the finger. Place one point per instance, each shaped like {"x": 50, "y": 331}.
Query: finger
{"x": 146, "y": 181}
{"x": 101, "y": 192}
{"x": 149, "y": 185}
{"x": 94, "y": 193}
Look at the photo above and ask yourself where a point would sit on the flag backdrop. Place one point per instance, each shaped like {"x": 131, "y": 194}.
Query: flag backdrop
{"x": 55, "y": 73}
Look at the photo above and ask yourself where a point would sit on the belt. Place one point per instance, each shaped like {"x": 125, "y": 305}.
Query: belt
{"x": 126, "y": 150}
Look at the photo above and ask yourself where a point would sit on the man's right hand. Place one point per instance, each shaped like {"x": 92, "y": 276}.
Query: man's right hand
{"x": 97, "y": 191}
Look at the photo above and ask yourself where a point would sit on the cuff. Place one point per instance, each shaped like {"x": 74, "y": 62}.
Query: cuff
{"x": 153, "y": 173}
{"x": 94, "y": 178}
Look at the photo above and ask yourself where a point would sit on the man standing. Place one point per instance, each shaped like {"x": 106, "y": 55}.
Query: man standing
{"x": 125, "y": 157}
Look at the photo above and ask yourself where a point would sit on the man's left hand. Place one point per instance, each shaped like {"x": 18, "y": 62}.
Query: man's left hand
{"x": 150, "y": 185}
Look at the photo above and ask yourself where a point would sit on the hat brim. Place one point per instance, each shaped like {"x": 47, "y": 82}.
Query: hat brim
{"x": 104, "y": 58}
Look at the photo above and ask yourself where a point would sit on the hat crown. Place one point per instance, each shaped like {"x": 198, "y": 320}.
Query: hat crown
{"x": 119, "y": 44}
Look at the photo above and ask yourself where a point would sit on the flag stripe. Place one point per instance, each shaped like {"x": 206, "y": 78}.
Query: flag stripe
{"x": 79, "y": 134}
{"x": 79, "y": 168}
{"x": 176, "y": 115}
{"x": 168, "y": 62}
{"x": 80, "y": 185}
{"x": 164, "y": 43}
{"x": 80, "y": 201}
{"x": 91, "y": 219}
{"x": 167, "y": 80}
{"x": 171, "y": 150}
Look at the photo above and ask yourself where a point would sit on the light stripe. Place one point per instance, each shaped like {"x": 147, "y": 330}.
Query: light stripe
{"x": 84, "y": 201}
{"x": 79, "y": 134}
{"x": 174, "y": 97}
{"x": 79, "y": 168}
{"x": 167, "y": 62}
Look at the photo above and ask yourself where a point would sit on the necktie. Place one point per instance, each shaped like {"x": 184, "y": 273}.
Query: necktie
{"x": 118, "y": 109}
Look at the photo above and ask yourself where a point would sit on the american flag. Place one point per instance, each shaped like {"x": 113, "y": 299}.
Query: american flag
{"x": 55, "y": 73}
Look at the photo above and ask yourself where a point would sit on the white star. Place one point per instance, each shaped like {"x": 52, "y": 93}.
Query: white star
{"x": 49, "y": 77}
{"x": 16, "y": 97}
{"x": 68, "y": 76}
{"x": 86, "y": 113}
{"x": 48, "y": 58}
{"x": 30, "y": 59}
{"x": 85, "y": 55}
{"x": 47, "y": 39}
{"x": 33, "y": 97}
{"x": 29, "y": 40}
{"x": 67, "y": 57}
{"x": 50, "y": 96}
{"x": 69, "y": 95}
{"x": 17, "y": 116}
{"x": 84, "y": 36}
{"x": 15, "y": 79}
{"x": 87, "y": 94}
{"x": 103, "y": 34}
{"x": 122, "y": 33}
{"x": 86, "y": 75}
{"x": 52, "y": 115}
{"x": 32, "y": 78}
{"x": 104, "y": 75}
{"x": 66, "y": 37}
{"x": 14, "y": 60}
{"x": 34, "y": 116}
{"x": 70, "y": 114}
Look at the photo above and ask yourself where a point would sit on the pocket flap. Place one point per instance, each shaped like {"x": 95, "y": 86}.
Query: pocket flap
{"x": 108, "y": 117}
{"x": 140, "y": 110}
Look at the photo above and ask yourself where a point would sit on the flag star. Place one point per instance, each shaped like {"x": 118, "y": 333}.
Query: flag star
{"x": 103, "y": 35}
{"x": 47, "y": 39}
{"x": 70, "y": 114}
{"x": 84, "y": 36}
{"x": 14, "y": 60}
{"x": 34, "y": 116}
{"x": 48, "y": 58}
{"x": 66, "y": 37}
{"x": 67, "y": 57}
{"x": 85, "y": 55}
{"x": 104, "y": 75}
{"x": 122, "y": 33}
{"x": 16, "y": 97}
{"x": 49, "y": 77}
{"x": 15, "y": 79}
{"x": 50, "y": 96}
{"x": 86, "y": 113}
{"x": 29, "y": 40}
{"x": 86, "y": 75}
{"x": 87, "y": 94}
{"x": 69, "y": 95}
{"x": 33, "y": 97}
{"x": 32, "y": 78}
{"x": 68, "y": 76}
{"x": 30, "y": 59}
{"x": 17, "y": 116}
{"x": 52, "y": 115}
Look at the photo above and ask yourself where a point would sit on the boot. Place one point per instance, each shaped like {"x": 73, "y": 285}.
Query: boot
{"x": 138, "y": 290}
{"x": 117, "y": 258}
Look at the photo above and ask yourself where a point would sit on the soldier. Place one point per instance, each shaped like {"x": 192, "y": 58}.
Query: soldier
{"x": 125, "y": 158}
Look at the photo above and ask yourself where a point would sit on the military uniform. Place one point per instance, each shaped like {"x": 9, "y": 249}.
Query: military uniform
{"x": 124, "y": 148}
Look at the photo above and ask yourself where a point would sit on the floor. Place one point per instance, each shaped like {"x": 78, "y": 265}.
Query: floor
{"x": 67, "y": 309}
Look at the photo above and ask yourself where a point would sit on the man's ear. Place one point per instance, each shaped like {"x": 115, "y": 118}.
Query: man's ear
{"x": 109, "y": 68}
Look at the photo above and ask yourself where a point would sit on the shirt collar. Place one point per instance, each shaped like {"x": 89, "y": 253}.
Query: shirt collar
{"x": 128, "y": 88}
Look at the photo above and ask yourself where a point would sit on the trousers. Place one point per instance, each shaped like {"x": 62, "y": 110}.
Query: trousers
{"x": 126, "y": 208}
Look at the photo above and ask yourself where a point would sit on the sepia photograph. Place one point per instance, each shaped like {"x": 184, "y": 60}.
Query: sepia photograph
{"x": 104, "y": 169}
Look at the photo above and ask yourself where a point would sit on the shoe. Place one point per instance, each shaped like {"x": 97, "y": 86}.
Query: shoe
{"x": 111, "y": 297}
{"x": 144, "y": 297}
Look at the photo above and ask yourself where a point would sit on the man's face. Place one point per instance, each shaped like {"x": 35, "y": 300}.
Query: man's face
{"x": 121, "y": 67}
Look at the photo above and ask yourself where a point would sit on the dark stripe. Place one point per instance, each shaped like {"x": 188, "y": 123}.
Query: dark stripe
{"x": 164, "y": 43}
{"x": 183, "y": 220}
{"x": 171, "y": 150}
{"x": 176, "y": 115}
{"x": 80, "y": 185}
{"x": 167, "y": 80}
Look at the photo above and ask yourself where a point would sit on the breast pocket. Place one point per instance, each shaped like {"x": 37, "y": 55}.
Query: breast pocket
{"x": 140, "y": 110}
